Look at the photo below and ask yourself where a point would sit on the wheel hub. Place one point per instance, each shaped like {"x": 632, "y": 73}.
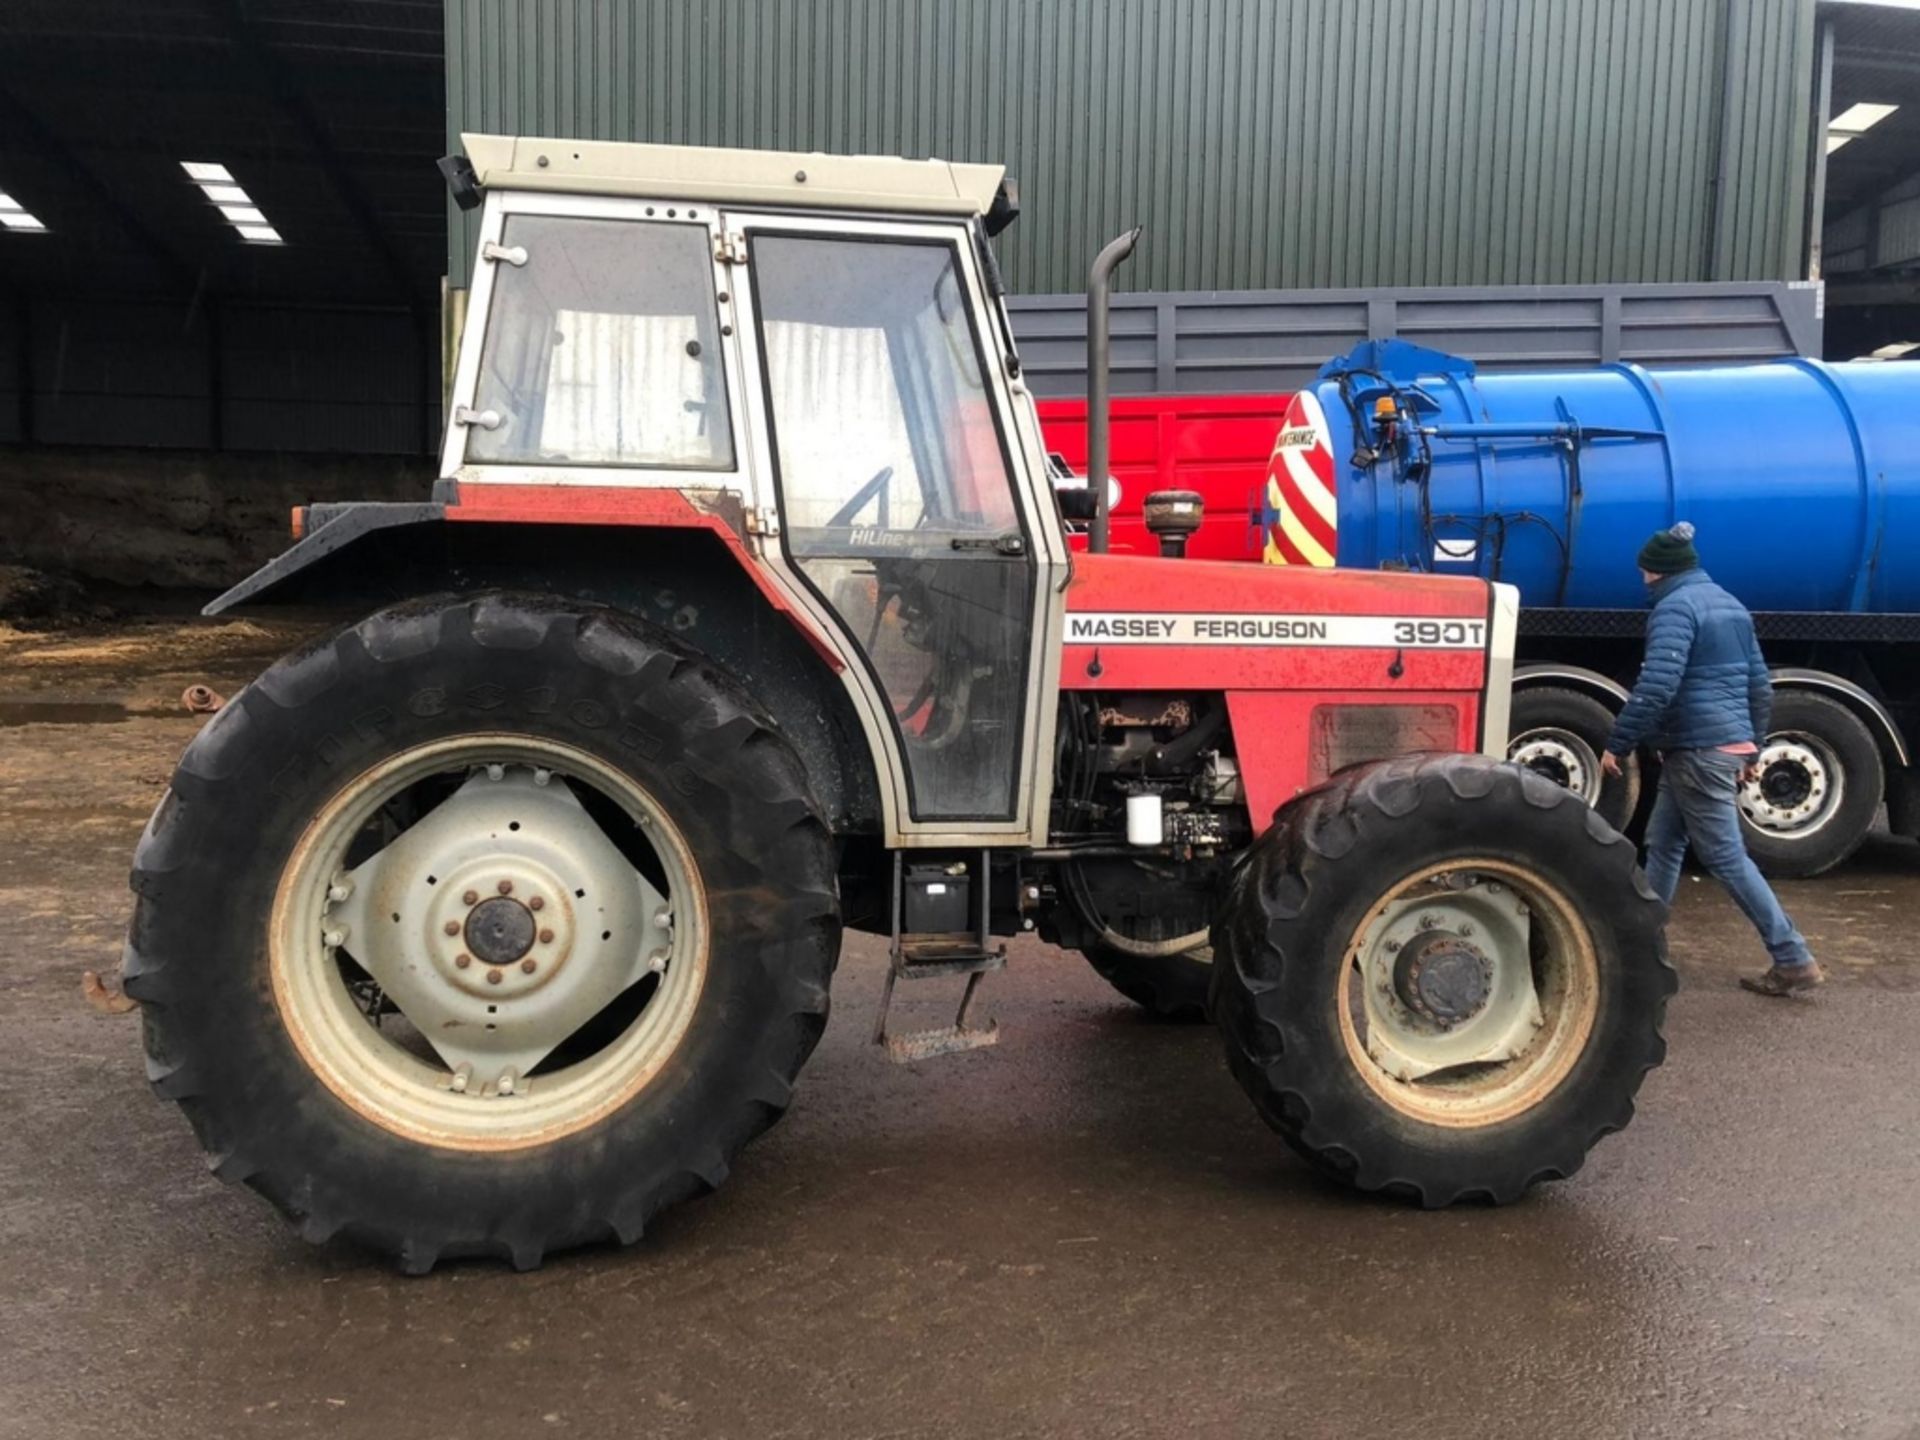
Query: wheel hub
{"x": 1798, "y": 787}
{"x": 1562, "y": 757}
{"x": 1446, "y": 980}
{"x": 499, "y": 931}
{"x": 500, "y": 923}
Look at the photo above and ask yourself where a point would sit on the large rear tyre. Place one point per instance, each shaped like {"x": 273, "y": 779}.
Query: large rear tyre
{"x": 1562, "y": 734}
{"x": 1820, "y": 783}
{"x": 485, "y": 927}
{"x": 1441, "y": 978}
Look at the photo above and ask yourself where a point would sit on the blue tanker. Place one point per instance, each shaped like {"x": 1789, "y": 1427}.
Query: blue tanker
{"x": 1802, "y": 479}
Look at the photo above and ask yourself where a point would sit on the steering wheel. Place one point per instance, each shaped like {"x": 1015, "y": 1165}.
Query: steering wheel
{"x": 861, "y": 498}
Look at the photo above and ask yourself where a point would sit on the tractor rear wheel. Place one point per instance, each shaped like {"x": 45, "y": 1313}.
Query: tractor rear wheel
{"x": 1442, "y": 978}
{"x": 487, "y": 926}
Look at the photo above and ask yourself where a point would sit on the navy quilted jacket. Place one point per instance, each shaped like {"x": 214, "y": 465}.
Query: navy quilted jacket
{"x": 1703, "y": 683}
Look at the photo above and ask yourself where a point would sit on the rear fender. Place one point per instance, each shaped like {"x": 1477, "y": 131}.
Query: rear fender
{"x": 693, "y": 580}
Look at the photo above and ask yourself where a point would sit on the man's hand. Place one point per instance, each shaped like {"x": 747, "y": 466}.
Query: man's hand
{"x": 1750, "y": 771}
{"x": 1610, "y": 764}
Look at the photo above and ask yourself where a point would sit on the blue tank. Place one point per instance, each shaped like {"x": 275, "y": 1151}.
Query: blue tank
{"x": 1801, "y": 478}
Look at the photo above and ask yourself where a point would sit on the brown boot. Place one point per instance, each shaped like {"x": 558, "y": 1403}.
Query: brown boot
{"x": 1778, "y": 982}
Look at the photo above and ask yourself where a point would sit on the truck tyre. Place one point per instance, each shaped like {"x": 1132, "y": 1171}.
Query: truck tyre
{"x": 1441, "y": 978}
{"x": 1820, "y": 785}
{"x": 1562, "y": 734}
{"x": 485, "y": 927}
{"x": 1173, "y": 987}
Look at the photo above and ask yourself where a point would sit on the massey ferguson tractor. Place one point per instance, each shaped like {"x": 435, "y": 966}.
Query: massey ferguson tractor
{"x": 743, "y": 613}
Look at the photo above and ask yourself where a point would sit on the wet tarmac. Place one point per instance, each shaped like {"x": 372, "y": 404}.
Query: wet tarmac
{"x": 1084, "y": 1231}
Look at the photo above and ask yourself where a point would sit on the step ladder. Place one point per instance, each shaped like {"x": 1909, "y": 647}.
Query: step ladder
{"x": 934, "y": 954}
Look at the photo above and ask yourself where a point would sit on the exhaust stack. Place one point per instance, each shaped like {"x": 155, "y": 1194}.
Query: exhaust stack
{"x": 1099, "y": 357}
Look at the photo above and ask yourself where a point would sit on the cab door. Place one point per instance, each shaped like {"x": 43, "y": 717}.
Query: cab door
{"x": 906, "y": 514}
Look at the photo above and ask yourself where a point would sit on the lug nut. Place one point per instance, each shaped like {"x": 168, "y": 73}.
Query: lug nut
{"x": 529, "y": 965}
{"x": 493, "y": 977}
{"x": 452, "y": 927}
{"x": 472, "y": 897}
{"x": 536, "y": 902}
{"x": 462, "y": 961}
{"x": 505, "y": 887}
{"x": 546, "y": 937}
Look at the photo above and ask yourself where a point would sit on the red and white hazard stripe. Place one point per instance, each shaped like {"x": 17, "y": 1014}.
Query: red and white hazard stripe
{"x": 1300, "y": 491}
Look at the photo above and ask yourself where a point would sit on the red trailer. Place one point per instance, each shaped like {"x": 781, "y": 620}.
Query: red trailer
{"x": 1216, "y": 445}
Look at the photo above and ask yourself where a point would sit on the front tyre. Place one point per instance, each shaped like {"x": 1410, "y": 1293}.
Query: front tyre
{"x": 1441, "y": 978}
{"x": 484, "y": 927}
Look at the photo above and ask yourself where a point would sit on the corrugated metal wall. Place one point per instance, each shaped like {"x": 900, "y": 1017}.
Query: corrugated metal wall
{"x": 239, "y": 377}
{"x": 1263, "y": 143}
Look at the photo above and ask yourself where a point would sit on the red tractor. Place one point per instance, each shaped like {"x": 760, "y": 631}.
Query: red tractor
{"x": 744, "y": 613}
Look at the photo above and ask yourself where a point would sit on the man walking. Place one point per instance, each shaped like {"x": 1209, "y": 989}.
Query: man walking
{"x": 1702, "y": 700}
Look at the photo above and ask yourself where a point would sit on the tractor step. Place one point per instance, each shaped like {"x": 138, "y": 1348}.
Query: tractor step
{"x": 907, "y": 1046}
{"x": 958, "y": 892}
{"x": 924, "y": 957}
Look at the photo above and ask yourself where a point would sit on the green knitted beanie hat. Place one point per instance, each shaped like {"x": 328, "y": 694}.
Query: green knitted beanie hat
{"x": 1668, "y": 552}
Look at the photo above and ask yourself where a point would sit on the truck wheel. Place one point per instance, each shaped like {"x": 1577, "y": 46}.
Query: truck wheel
{"x": 1562, "y": 734}
{"x": 1820, "y": 785}
{"x": 1171, "y": 986}
{"x": 1441, "y": 978}
{"x": 487, "y": 926}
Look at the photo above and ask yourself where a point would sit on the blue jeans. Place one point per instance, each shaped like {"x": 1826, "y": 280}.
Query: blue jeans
{"x": 1697, "y": 802}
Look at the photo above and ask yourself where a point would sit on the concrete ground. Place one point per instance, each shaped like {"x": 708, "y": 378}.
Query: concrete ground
{"x": 1085, "y": 1231}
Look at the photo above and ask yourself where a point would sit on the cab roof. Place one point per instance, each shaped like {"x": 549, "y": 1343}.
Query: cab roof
{"x": 733, "y": 177}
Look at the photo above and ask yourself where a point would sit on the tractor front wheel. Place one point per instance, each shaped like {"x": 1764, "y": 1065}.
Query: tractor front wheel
{"x": 483, "y": 927}
{"x": 1441, "y": 978}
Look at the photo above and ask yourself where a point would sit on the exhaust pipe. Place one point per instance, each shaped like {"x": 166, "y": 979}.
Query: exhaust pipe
{"x": 1099, "y": 358}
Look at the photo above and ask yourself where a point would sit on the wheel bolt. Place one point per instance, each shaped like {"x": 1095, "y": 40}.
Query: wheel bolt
{"x": 493, "y": 977}
{"x": 529, "y": 965}
{"x": 462, "y": 961}
{"x": 505, "y": 887}
{"x": 472, "y": 897}
{"x": 452, "y": 927}
{"x": 546, "y": 937}
{"x": 536, "y": 902}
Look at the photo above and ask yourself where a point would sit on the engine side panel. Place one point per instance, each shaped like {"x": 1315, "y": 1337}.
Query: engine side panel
{"x": 1320, "y": 669}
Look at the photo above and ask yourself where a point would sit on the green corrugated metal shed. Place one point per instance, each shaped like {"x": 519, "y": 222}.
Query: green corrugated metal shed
{"x": 1261, "y": 142}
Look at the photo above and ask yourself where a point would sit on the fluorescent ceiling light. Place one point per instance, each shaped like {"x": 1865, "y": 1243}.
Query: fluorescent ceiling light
{"x": 236, "y": 207}
{"x": 1855, "y": 121}
{"x": 15, "y": 216}
{"x": 1856, "y": 118}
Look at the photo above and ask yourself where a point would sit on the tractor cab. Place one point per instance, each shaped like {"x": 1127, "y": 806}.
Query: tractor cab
{"x": 818, "y": 345}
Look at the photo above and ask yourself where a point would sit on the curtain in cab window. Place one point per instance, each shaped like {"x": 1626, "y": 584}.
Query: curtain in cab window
{"x": 603, "y": 348}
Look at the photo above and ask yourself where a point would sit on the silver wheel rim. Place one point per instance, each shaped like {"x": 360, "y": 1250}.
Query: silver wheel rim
{"x": 465, "y": 977}
{"x": 1470, "y": 990}
{"x": 1798, "y": 787}
{"x": 1563, "y": 757}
